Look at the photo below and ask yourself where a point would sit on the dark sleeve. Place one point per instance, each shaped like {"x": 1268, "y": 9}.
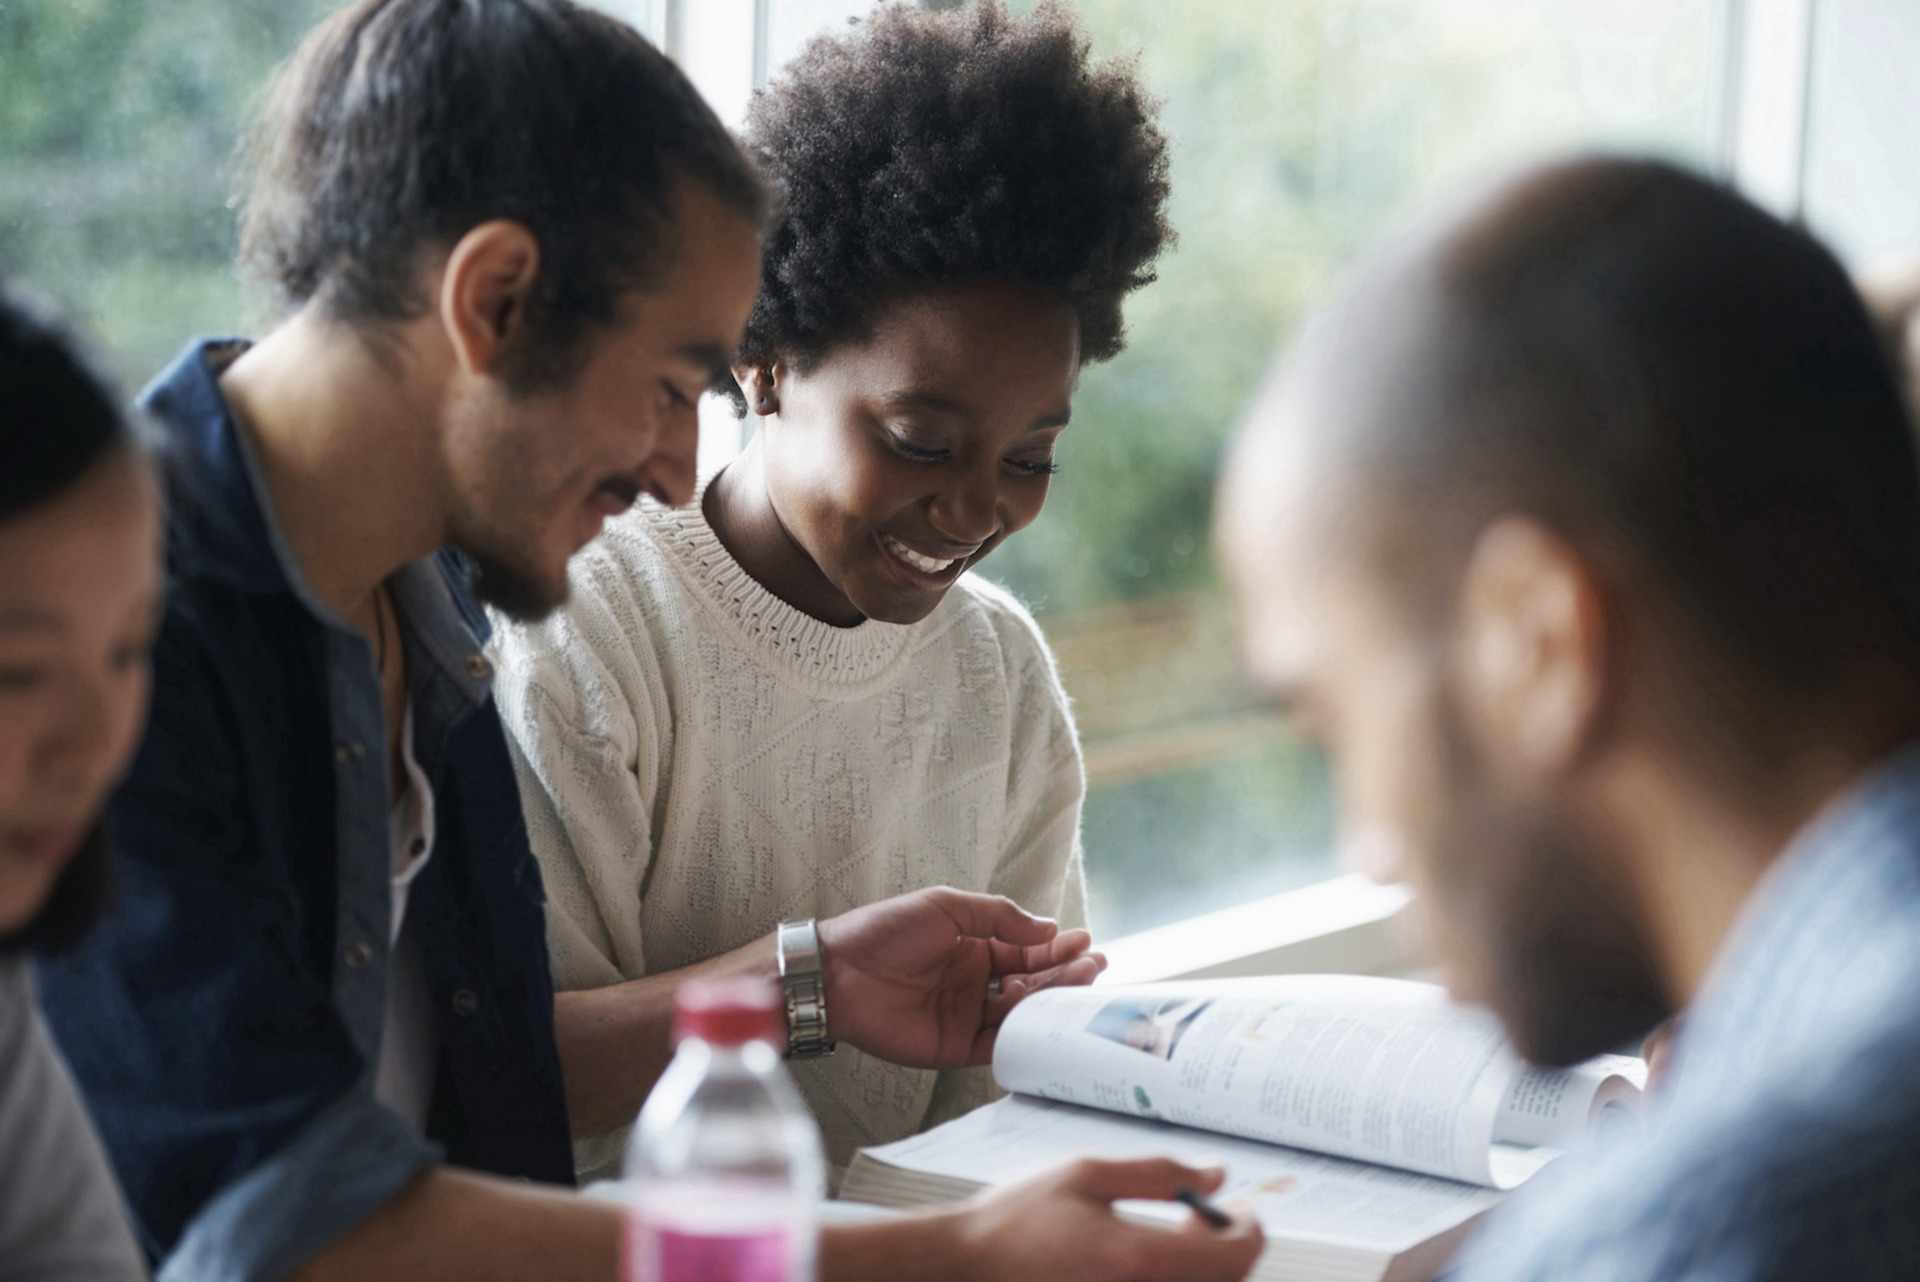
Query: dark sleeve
{"x": 228, "y": 1091}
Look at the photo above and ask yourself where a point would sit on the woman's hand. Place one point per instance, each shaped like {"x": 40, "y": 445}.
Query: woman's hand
{"x": 907, "y": 979}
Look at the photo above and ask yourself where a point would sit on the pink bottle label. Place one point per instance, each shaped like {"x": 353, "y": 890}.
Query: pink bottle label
{"x": 658, "y": 1254}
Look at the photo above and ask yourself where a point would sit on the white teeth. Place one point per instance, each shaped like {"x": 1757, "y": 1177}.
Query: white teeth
{"x": 924, "y": 564}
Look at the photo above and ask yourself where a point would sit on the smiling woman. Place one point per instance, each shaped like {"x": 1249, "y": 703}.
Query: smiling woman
{"x": 901, "y": 458}
{"x": 79, "y": 592}
{"x": 792, "y": 698}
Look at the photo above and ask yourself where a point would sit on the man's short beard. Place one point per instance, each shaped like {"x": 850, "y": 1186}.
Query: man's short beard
{"x": 1571, "y": 970}
{"x": 1575, "y": 974}
{"x": 515, "y": 591}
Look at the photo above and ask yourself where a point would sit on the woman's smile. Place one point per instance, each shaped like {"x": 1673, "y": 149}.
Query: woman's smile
{"x": 921, "y": 561}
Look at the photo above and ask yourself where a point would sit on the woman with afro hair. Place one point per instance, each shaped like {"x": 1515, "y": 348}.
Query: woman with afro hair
{"x": 792, "y": 698}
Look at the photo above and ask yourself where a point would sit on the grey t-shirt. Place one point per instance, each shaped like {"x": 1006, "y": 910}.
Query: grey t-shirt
{"x": 61, "y": 1217}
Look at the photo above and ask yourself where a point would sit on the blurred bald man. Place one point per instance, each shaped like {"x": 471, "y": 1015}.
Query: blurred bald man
{"x": 1584, "y": 532}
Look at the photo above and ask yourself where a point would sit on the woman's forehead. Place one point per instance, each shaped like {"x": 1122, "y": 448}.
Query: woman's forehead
{"x": 97, "y": 541}
{"x": 964, "y": 347}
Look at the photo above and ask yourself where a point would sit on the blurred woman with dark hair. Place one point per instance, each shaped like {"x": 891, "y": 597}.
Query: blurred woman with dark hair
{"x": 80, "y": 590}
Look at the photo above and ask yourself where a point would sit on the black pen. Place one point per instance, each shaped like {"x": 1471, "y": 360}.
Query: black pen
{"x": 1206, "y": 1210}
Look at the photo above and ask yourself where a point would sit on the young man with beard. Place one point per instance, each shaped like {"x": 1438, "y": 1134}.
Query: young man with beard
{"x": 517, "y": 248}
{"x": 1585, "y": 534}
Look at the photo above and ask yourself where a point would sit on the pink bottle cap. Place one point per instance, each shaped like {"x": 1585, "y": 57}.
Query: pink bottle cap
{"x": 729, "y": 1012}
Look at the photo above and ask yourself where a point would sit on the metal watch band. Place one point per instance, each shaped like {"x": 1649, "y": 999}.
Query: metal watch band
{"x": 797, "y": 944}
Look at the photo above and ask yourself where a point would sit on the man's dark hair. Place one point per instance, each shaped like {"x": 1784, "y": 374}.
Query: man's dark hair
{"x": 58, "y": 417}
{"x": 926, "y": 149}
{"x": 399, "y": 125}
{"x": 1669, "y": 375}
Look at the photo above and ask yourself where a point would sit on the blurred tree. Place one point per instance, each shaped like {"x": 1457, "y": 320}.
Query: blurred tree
{"x": 1302, "y": 131}
{"x": 1128, "y": 515}
{"x": 118, "y": 119}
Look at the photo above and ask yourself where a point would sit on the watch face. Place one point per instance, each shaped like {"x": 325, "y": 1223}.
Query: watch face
{"x": 798, "y": 946}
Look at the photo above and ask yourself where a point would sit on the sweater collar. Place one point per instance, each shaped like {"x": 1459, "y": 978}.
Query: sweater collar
{"x": 808, "y": 646}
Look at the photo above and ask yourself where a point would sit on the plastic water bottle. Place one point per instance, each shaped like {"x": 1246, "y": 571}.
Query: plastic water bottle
{"x": 725, "y": 1159}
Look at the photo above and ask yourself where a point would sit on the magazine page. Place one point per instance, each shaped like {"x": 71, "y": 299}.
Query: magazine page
{"x": 1561, "y": 1108}
{"x": 1378, "y": 1070}
{"x": 1298, "y": 1196}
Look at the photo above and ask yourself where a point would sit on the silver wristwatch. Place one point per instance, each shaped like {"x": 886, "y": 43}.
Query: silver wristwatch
{"x": 797, "y": 943}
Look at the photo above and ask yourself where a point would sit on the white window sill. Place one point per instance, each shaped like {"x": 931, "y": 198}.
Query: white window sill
{"x": 1341, "y": 926}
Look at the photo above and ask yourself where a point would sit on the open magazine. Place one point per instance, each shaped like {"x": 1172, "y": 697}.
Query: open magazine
{"x": 1368, "y": 1121}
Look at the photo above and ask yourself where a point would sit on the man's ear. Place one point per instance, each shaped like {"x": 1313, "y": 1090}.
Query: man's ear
{"x": 484, "y": 290}
{"x": 761, "y": 386}
{"x": 1533, "y": 664}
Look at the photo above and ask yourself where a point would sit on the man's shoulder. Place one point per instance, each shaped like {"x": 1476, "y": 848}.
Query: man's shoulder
{"x": 1812, "y": 1172}
{"x": 219, "y": 528}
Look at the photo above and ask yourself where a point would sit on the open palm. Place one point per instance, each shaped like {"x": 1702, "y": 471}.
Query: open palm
{"x": 907, "y": 978}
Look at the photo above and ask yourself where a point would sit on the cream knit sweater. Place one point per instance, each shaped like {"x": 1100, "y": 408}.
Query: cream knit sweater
{"x": 699, "y": 761}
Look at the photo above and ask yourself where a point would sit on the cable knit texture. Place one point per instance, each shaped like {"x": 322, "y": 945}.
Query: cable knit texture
{"x": 699, "y": 761}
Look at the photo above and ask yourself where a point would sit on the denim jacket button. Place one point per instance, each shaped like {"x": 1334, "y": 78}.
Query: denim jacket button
{"x": 465, "y": 1002}
{"x": 351, "y": 750}
{"x": 477, "y": 667}
{"x": 357, "y": 955}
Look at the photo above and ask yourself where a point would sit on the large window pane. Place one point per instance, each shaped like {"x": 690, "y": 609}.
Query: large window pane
{"x": 117, "y": 122}
{"x": 1302, "y": 129}
{"x": 1862, "y": 154}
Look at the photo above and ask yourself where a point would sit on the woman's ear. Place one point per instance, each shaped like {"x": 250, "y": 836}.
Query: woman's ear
{"x": 484, "y": 290}
{"x": 761, "y": 386}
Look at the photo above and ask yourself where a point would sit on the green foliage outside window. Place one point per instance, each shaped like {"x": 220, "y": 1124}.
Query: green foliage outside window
{"x": 118, "y": 120}
{"x": 1302, "y": 130}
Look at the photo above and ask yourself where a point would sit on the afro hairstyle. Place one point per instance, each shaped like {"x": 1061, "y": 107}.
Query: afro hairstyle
{"x": 923, "y": 149}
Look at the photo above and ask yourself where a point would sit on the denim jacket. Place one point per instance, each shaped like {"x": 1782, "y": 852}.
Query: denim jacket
{"x": 225, "y": 1021}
